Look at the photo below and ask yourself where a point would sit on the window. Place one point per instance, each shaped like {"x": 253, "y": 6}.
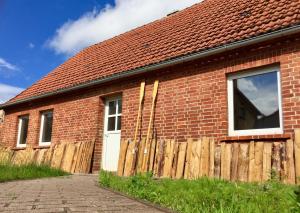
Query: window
{"x": 22, "y": 131}
{"x": 46, "y": 128}
{"x": 114, "y": 113}
{"x": 254, "y": 103}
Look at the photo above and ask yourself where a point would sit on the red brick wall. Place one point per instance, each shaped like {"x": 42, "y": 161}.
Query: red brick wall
{"x": 192, "y": 100}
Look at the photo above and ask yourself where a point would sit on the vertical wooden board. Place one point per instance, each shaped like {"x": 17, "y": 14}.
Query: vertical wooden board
{"x": 267, "y": 155}
{"x": 223, "y": 163}
{"x": 290, "y": 162}
{"x": 58, "y": 155}
{"x": 41, "y": 156}
{"x": 217, "y": 161}
{"x": 204, "y": 162}
{"x": 188, "y": 158}
{"x": 276, "y": 160}
{"x": 48, "y": 156}
{"x": 251, "y": 173}
{"x": 68, "y": 157}
{"x": 259, "y": 148}
{"x": 141, "y": 155}
{"x": 129, "y": 159}
{"x": 234, "y": 162}
{"x": 74, "y": 162}
{"x": 227, "y": 160}
{"x": 175, "y": 160}
{"x": 196, "y": 160}
{"x": 79, "y": 157}
{"x": 89, "y": 156}
{"x": 297, "y": 155}
{"x": 211, "y": 157}
{"x": 243, "y": 162}
{"x": 283, "y": 166}
{"x": 122, "y": 157}
{"x": 168, "y": 161}
{"x": 152, "y": 155}
{"x": 157, "y": 158}
{"x": 181, "y": 160}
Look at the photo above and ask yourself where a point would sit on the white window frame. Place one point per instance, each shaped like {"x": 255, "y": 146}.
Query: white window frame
{"x": 19, "y": 131}
{"x": 117, "y": 98}
{"x": 44, "y": 143}
{"x": 230, "y": 94}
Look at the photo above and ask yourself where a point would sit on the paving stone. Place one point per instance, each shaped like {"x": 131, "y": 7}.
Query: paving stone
{"x": 76, "y": 193}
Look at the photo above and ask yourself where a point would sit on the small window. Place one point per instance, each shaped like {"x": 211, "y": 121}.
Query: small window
{"x": 254, "y": 101}
{"x": 114, "y": 113}
{"x": 46, "y": 128}
{"x": 22, "y": 131}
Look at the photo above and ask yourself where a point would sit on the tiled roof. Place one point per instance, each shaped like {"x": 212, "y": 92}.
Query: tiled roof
{"x": 203, "y": 26}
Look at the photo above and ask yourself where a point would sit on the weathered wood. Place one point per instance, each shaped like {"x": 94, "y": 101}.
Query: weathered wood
{"x": 181, "y": 160}
{"x": 122, "y": 157}
{"x": 276, "y": 160}
{"x": 234, "y": 162}
{"x": 226, "y": 163}
{"x": 283, "y": 166}
{"x": 175, "y": 160}
{"x": 267, "y": 161}
{"x": 138, "y": 120}
{"x": 211, "y": 157}
{"x": 259, "y": 148}
{"x": 188, "y": 158}
{"x": 76, "y": 153}
{"x": 204, "y": 162}
{"x": 90, "y": 152}
{"x": 159, "y": 159}
{"x": 297, "y": 155}
{"x": 290, "y": 162}
{"x": 196, "y": 160}
{"x": 243, "y": 162}
{"x": 41, "y": 156}
{"x": 140, "y": 154}
{"x": 217, "y": 162}
{"x": 251, "y": 173}
{"x": 129, "y": 159}
{"x": 152, "y": 155}
{"x": 67, "y": 159}
{"x": 168, "y": 161}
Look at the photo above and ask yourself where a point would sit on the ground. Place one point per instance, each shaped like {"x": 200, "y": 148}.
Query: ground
{"x": 76, "y": 193}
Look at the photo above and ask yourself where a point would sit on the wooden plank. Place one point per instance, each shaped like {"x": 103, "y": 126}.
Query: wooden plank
{"x": 291, "y": 176}
{"x": 267, "y": 156}
{"x": 41, "y": 156}
{"x": 140, "y": 154}
{"x": 152, "y": 155}
{"x": 181, "y": 160}
{"x": 259, "y": 148}
{"x": 68, "y": 157}
{"x": 138, "y": 120}
{"x": 211, "y": 157}
{"x": 204, "y": 162}
{"x": 159, "y": 159}
{"x": 297, "y": 155}
{"x": 217, "y": 162}
{"x": 79, "y": 157}
{"x": 235, "y": 161}
{"x": 196, "y": 159}
{"x": 122, "y": 157}
{"x": 227, "y": 162}
{"x": 90, "y": 156}
{"x": 276, "y": 160}
{"x": 175, "y": 160}
{"x": 129, "y": 159}
{"x": 251, "y": 161}
{"x": 283, "y": 166}
{"x": 168, "y": 161}
{"x": 188, "y": 158}
{"x": 74, "y": 161}
{"x": 243, "y": 162}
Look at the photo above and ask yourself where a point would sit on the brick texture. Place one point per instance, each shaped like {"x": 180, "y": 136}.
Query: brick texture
{"x": 192, "y": 100}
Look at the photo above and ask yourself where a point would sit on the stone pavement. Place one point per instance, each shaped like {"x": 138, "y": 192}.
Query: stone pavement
{"x": 76, "y": 193}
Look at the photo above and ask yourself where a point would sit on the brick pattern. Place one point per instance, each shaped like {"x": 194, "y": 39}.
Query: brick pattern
{"x": 192, "y": 100}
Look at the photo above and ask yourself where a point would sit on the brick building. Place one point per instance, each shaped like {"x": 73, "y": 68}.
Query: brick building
{"x": 226, "y": 69}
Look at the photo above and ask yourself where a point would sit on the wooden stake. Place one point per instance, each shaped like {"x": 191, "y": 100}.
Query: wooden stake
{"x": 297, "y": 154}
{"x": 138, "y": 120}
{"x": 146, "y": 151}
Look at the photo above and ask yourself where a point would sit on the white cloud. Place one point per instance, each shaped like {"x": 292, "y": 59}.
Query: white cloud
{"x": 7, "y": 92}
{"x": 31, "y": 45}
{"x": 7, "y": 66}
{"x": 99, "y": 25}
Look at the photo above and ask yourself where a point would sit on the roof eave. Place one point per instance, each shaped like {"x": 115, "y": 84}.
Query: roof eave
{"x": 170, "y": 62}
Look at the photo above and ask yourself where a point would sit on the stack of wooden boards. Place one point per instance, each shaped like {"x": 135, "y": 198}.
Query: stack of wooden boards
{"x": 237, "y": 161}
{"x": 70, "y": 157}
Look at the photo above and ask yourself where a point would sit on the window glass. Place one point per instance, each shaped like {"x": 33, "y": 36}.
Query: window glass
{"x": 256, "y": 102}
{"x": 112, "y": 108}
{"x": 119, "y": 106}
{"x": 111, "y": 123}
{"x": 119, "y": 123}
{"x": 47, "y": 126}
{"x": 23, "y": 129}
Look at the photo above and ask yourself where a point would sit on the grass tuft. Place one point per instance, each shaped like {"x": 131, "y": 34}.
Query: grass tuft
{"x": 10, "y": 172}
{"x": 207, "y": 195}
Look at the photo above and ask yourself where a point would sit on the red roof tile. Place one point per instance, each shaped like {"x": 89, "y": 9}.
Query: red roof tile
{"x": 205, "y": 25}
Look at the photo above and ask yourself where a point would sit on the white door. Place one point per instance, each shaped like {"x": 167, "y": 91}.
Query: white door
{"x": 112, "y": 134}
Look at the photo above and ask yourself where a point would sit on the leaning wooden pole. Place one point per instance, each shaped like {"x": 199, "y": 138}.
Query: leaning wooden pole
{"x": 297, "y": 154}
{"x": 147, "y": 142}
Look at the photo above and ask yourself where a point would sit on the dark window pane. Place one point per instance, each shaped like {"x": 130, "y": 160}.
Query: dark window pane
{"x": 119, "y": 123}
{"x": 120, "y": 106}
{"x": 47, "y": 127}
{"x": 111, "y": 124}
{"x": 112, "y": 108}
{"x": 256, "y": 102}
{"x": 24, "y": 130}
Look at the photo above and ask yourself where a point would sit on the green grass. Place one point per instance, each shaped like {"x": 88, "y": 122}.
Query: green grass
{"x": 13, "y": 172}
{"x": 207, "y": 195}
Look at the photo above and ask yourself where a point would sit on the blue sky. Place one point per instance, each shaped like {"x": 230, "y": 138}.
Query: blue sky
{"x": 38, "y": 35}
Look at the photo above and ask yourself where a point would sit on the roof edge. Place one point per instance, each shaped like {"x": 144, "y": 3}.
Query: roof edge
{"x": 169, "y": 62}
